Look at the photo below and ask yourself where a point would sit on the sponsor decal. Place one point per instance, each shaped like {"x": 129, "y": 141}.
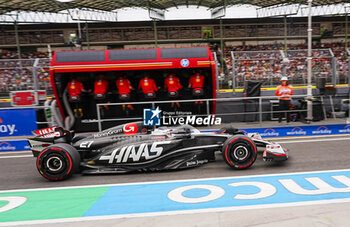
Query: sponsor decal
{"x": 130, "y": 129}
{"x": 270, "y": 132}
{"x": 244, "y": 131}
{"x": 108, "y": 133}
{"x": 297, "y": 131}
{"x": 9, "y": 129}
{"x": 15, "y": 145}
{"x": 86, "y": 144}
{"x": 322, "y": 130}
{"x": 51, "y": 135}
{"x": 309, "y": 130}
{"x": 17, "y": 122}
{"x": 6, "y": 146}
{"x": 196, "y": 162}
{"x": 265, "y": 190}
{"x": 44, "y": 131}
{"x": 234, "y": 193}
{"x": 159, "y": 137}
{"x": 185, "y": 62}
{"x": 12, "y": 202}
{"x": 21, "y": 207}
{"x": 141, "y": 152}
{"x": 345, "y": 130}
{"x": 153, "y": 117}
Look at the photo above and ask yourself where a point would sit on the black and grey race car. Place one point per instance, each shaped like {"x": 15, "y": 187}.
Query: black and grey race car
{"x": 134, "y": 147}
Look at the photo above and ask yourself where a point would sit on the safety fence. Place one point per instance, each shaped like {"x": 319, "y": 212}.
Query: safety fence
{"x": 264, "y": 66}
{"x": 269, "y": 66}
{"x": 24, "y": 74}
{"x": 323, "y": 65}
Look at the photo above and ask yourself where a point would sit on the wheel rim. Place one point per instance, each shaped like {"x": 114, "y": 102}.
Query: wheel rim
{"x": 240, "y": 153}
{"x": 54, "y": 164}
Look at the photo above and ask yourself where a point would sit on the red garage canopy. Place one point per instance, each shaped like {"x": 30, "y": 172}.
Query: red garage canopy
{"x": 135, "y": 59}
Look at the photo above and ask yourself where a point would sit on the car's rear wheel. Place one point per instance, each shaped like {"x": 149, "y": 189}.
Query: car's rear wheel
{"x": 58, "y": 162}
{"x": 239, "y": 152}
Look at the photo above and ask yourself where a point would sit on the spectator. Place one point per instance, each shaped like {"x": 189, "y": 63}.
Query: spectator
{"x": 284, "y": 92}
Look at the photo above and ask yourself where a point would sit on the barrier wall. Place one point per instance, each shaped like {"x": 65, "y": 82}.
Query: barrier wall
{"x": 14, "y": 145}
{"x": 309, "y": 130}
{"x": 17, "y": 122}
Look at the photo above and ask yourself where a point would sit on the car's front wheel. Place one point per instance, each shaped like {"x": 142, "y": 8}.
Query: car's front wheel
{"x": 239, "y": 152}
{"x": 58, "y": 162}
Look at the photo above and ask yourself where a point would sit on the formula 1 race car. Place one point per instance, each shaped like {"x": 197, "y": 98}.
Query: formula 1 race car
{"x": 134, "y": 147}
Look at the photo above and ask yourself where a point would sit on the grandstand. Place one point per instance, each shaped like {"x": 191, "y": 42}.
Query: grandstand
{"x": 256, "y": 42}
{"x": 17, "y": 74}
{"x": 129, "y": 34}
{"x": 246, "y": 35}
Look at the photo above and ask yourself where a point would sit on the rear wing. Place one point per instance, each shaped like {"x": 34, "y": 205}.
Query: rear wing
{"x": 50, "y": 132}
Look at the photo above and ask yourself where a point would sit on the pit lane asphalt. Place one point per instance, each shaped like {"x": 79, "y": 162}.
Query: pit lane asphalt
{"x": 306, "y": 154}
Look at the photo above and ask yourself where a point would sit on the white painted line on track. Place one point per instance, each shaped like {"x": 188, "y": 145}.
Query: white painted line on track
{"x": 154, "y": 214}
{"x": 172, "y": 181}
{"x": 16, "y": 156}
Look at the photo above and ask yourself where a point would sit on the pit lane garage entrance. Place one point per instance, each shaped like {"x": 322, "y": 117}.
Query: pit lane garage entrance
{"x": 134, "y": 64}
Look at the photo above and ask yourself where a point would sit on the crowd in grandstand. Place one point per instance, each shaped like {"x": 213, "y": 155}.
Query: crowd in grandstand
{"x": 18, "y": 75}
{"x": 252, "y": 62}
{"x": 265, "y": 62}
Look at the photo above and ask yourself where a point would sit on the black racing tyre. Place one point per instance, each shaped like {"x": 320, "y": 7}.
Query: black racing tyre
{"x": 58, "y": 162}
{"x": 239, "y": 152}
{"x": 230, "y": 130}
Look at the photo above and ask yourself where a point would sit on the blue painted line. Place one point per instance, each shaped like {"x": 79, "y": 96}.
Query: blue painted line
{"x": 154, "y": 197}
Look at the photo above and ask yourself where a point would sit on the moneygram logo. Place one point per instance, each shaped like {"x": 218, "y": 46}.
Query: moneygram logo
{"x": 270, "y": 132}
{"x": 153, "y": 117}
{"x": 297, "y": 131}
{"x": 322, "y": 130}
{"x": 130, "y": 129}
{"x": 7, "y": 129}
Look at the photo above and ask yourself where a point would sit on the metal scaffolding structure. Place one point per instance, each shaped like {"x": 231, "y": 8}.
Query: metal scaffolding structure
{"x": 107, "y": 7}
{"x": 65, "y": 16}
